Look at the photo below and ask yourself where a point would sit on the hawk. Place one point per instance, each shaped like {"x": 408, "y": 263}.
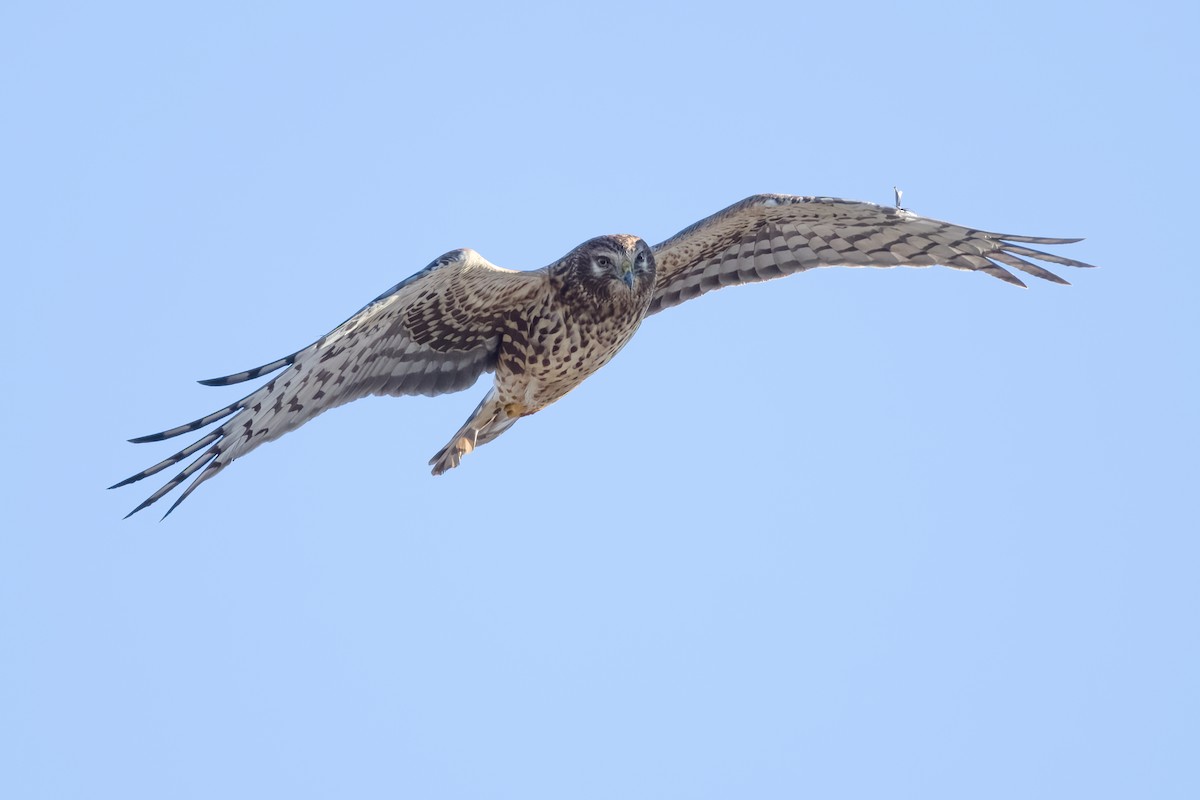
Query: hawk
{"x": 542, "y": 332}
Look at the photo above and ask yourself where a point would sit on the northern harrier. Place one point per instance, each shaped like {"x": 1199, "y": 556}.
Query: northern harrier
{"x": 544, "y": 331}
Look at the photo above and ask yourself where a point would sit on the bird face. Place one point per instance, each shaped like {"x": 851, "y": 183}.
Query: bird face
{"x": 622, "y": 262}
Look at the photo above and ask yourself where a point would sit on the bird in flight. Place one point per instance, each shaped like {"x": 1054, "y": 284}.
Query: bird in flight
{"x": 542, "y": 332}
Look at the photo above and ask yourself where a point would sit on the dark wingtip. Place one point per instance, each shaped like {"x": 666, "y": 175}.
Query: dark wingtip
{"x": 251, "y": 374}
{"x": 997, "y": 271}
{"x": 154, "y": 437}
{"x": 172, "y": 508}
{"x": 1036, "y": 239}
{"x": 139, "y": 508}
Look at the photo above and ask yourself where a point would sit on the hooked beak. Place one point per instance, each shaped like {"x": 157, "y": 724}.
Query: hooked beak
{"x": 627, "y": 272}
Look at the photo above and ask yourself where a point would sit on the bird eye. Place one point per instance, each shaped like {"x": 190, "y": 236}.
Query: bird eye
{"x": 641, "y": 259}
{"x": 604, "y": 261}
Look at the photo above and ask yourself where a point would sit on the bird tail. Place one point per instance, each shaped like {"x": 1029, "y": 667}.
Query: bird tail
{"x": 489, "y": 419}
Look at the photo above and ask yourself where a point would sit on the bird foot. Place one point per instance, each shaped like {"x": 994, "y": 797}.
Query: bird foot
{"x": 451, "y": 455}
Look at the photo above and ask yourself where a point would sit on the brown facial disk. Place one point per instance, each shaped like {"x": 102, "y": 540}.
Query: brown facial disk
{"x": 617, "y": 268}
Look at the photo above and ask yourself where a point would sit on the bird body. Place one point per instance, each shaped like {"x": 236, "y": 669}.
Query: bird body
{"x": 584, "y": 314}
{"x": 543, "y": 332}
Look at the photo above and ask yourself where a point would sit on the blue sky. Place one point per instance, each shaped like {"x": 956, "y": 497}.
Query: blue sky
{"x": 901, "y": 533}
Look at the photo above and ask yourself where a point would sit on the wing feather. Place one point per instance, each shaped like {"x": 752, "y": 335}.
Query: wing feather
{"x": 251, "y": 374}
{"x": 433, "y": 333}
{"x": 768, "y": 236}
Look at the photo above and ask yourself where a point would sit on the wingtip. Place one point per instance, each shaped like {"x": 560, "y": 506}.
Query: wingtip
{"x": 136, "y": 510}
{"x": 997, "y": 271}
{"x": 1012, "y": 237}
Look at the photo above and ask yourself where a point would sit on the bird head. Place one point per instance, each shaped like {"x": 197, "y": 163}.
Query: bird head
{"x": 613, "y": 266}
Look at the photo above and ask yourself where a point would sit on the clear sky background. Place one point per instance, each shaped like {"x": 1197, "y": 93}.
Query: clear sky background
{"x": 853, "y": 534}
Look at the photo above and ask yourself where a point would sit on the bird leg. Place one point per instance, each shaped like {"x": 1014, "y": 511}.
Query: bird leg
{"x": 451, "y": 455}
{"x": 490, "y": 419}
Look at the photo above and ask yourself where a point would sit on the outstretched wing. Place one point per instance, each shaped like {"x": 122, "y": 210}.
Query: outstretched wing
{"x": 433, "y": 333}
{"x": 771, "y": 235}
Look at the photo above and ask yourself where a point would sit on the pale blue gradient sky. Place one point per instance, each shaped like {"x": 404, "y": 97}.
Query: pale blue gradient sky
{"x": 902, "y": 534}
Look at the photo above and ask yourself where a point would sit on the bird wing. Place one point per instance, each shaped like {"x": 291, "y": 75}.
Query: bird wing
{"x": 772, "y": 235}
{"x": 433, "y": 333}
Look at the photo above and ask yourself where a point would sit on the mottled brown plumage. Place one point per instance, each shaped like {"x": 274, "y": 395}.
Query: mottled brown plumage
{"x": 543, "y": 332}
{"x": 592, "y": 303}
